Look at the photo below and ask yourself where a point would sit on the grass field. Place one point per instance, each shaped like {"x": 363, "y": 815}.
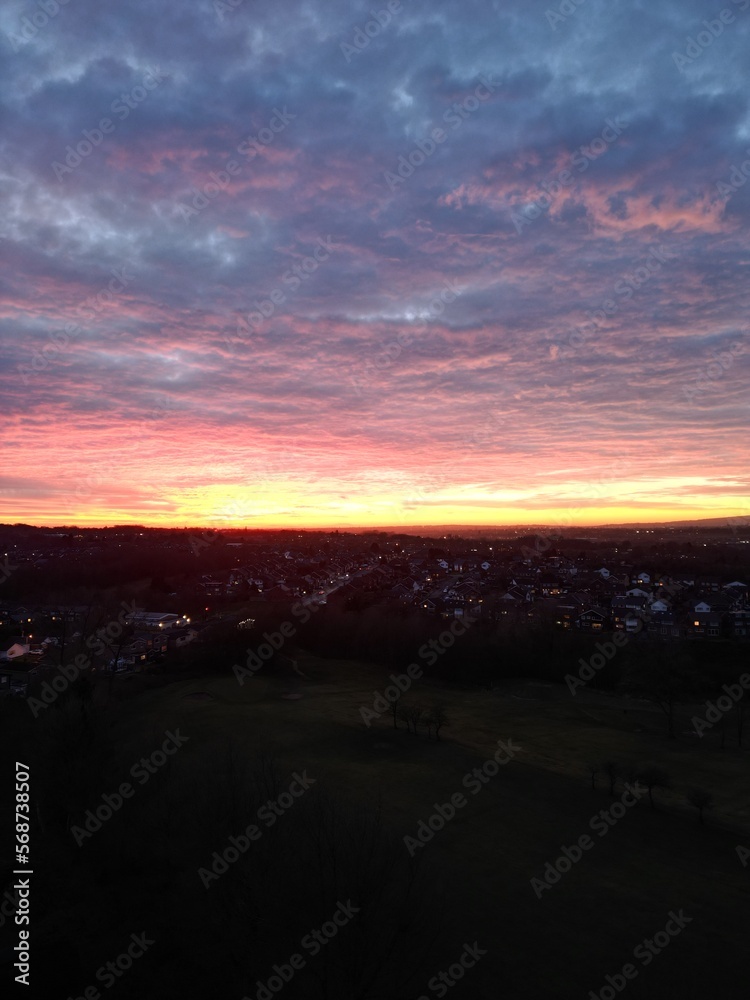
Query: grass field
{"x": 585, "y": 926}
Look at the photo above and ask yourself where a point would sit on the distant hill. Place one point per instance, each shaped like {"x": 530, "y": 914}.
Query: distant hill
{"x": 529, "y": 529}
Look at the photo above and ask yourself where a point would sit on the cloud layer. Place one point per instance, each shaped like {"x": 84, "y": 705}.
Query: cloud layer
{"x": 288, "y": 265}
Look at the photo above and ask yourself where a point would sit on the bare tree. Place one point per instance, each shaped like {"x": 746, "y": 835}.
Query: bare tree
{"x": 108, "y": 638}
{"x": 593, "y": 768}
{"x": 630, "y": 773}
{"x": 412, "y": 715}
{"x": 653, "y": 777}
{"x": 665, "y": 680}
{"x": 439, "y": 718}
{"x": 415, "y": 716}
{"x": 701, "y": 799}
{"x": 613, "y": 771}
{"x": 395, "y": 709}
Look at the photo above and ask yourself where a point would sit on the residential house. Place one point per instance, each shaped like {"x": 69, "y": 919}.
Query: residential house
{"x": 704, "y": 624}
{"x": 592, "y": 620}
{"x": 179, "y": 637}
{"x": 739, "y": 624}
{"x": 550, "y": 586}
{"x": 664, "y": 624}
{"x": 630, "y": 602}
{"x": 638, "y": 592}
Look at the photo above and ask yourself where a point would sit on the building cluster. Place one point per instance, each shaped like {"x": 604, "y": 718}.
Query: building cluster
{"x": 498, "y": 586}
{"x": 34, "y": 637}
{"x": 565, "y": 595}
{"x": 283, "y": 575}
{"x": 591, "y": 585}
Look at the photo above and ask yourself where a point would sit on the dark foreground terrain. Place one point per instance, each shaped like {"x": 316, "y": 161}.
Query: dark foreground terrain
{"x": 326, "y": 888}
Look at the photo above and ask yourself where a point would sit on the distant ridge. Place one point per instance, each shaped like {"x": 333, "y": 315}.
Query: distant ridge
{"x": 742, "y": 519}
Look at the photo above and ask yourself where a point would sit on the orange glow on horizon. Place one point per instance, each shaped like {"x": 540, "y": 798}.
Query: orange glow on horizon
{"x": 552, "y": 517}
{"x": 323, "y": 490}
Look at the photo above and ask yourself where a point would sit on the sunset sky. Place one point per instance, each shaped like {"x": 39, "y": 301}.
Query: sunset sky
{"x": 170, "y": 171}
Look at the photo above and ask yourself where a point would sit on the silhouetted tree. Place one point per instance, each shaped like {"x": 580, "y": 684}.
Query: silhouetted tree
{"x": 415, "y": 715}
{"x": 701, "y": 799}
{"x": 653, "y": 777}
{"x": 665, "y": 678}
{"x": 629, "y": 773}
{"x": 439, "y": 718}
{"x": 593, "y": 769}
{"x": 613, "y": 771}
{"x": 395, "y": 709}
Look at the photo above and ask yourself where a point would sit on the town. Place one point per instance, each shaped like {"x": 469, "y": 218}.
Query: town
{"x": 659, "y": 584}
